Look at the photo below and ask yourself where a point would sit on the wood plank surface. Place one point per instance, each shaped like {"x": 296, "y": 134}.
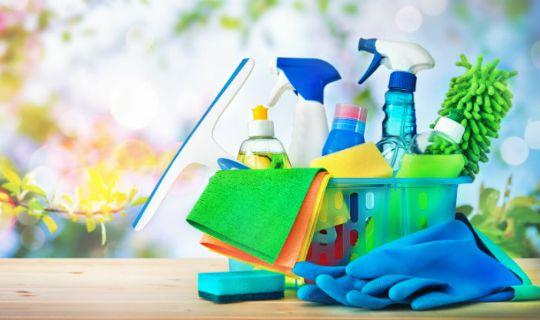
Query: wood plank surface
{"x": 167, "y": 289}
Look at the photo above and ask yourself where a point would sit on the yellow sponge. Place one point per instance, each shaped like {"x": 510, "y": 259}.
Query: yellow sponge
{"x": 362, "y": 161}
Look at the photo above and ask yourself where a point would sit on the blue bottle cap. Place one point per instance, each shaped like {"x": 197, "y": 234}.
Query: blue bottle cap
{"x": 402, "y": 80}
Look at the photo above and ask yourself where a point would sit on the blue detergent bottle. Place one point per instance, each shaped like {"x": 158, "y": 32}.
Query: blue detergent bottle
{"x": 399, "y": 124}
{"x": 347, "y": 128}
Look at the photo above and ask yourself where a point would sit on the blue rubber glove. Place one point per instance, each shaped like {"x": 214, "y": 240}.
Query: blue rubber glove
{"x": 333, "y": 285}
{"x": 310, "y": 272}
{"x": 438, "y": 266}
{"x": 442, "y": 265}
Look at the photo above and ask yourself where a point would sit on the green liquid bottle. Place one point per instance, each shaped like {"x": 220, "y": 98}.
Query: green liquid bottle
{"x": 262, "y": 150}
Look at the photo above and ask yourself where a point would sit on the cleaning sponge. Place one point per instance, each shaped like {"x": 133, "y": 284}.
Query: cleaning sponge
{"x": 225, "y": 287}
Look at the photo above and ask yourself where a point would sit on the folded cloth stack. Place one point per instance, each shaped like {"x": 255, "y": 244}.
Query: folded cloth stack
{"x": 263, "y": 217}
{"x": 445, "y": 264}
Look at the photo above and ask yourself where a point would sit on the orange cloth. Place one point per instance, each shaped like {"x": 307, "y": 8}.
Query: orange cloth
{"x": 297, "y": 243}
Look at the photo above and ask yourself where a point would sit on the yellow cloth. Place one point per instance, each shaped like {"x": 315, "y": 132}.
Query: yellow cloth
{"x": 362, "y": 161}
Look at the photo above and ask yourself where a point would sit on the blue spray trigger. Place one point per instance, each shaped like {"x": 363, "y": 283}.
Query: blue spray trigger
{"x": 368, "y": 45}
{"x": 308, "y": 76}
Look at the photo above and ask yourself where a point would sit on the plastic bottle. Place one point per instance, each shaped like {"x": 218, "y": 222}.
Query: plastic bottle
{"x": 347, "y": 128}
{"x": 443, "y": 139}
{"x": 399, "y": 125}
{"x": 262, "y": 150}
{"x": 307, "y": 78}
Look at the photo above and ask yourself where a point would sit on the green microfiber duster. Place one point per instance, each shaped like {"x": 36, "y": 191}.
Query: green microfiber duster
{"x": 483, "y": 97}
{"x": 252, "y": 210}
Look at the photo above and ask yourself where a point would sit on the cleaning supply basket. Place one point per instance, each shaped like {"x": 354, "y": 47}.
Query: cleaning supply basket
{"x": 381, "y": 210}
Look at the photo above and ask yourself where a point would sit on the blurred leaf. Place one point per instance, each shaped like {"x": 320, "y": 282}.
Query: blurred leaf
{"x": 336, "y": 31}
{"x": 10, "y": 83}
{"x": 4, "y": 196}
{"x": 66, "y": 36}
{"x": 132, "y": 194}
{"x": 493, "y": 233}
{"x": 35, "y": 189}
{"x": 514, "y": 249}
{"x": 49, "y": 223}
{"x": 523, "y": 201}
{"x": 229, "y": 22}
{"x": 139, "y": 201}
{"x": 299, "y": 6}
{"x": 35, "y": 207}
{"x": 488, "y": 200}
{"x": 11, "y": 176}
{"x": 350, "y": 8}
{"x": 37, "y": 122}
{"x": 12, "y": 188}
{"x": 256, "y": 8}
{"x": 90, "y": 225}
{"x": 517, "y": 8}
{"x": 198, "y": 15}
{"x": 44, "y": 19}
{"x": 524, "y": 215}
{"x": 28, "y": 185}
{"x": 478, "y": 219}
{"x": 465, "y": 209}
{"x": 462, "y": 10}
{"x": 323, "y": 5}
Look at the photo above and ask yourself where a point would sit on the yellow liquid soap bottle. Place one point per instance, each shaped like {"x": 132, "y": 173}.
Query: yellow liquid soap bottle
{"x": 262, "y": 150}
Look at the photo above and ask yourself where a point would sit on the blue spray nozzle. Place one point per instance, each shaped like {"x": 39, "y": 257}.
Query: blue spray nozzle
{"x": 308, "y": 76}
{"x": 368, "y": 45}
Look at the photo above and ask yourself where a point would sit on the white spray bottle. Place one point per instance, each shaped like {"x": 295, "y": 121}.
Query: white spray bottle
{"x": 307, "y": 78}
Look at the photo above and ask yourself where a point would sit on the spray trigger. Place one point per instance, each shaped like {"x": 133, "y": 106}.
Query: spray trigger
{"x": 368, "y": 45}
{"x": 283, "y": 84}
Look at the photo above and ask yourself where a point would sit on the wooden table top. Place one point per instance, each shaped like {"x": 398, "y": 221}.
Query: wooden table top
{"x": 167, "y": 289}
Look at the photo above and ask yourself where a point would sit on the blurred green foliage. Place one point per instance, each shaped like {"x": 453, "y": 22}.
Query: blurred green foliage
{"x": 505, "y": 219}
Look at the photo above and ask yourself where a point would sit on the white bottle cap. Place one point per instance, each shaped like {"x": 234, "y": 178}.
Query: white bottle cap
{"x": 261, "y": 128}
{"x": 454, "y": 130}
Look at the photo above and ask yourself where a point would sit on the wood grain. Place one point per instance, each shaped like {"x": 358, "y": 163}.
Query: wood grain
{"x": 167, "y": 289}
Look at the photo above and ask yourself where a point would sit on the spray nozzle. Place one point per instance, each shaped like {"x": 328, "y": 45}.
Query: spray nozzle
{"x": 305, "y": 76}
{"x": 260, "y": 113}
{"x": 400, "y": 56}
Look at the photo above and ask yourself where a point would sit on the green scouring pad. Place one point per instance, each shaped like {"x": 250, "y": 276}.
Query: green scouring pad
{"x": 480, "y": 98}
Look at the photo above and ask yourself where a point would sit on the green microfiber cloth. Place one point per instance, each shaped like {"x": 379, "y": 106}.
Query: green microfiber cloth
{"x": 252, "y": 210}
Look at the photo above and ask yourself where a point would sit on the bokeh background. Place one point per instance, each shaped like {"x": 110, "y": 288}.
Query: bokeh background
{"x": 96, "y": 96}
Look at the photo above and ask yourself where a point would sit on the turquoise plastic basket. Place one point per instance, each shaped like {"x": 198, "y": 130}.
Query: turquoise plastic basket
{"x": 381, "y": 210}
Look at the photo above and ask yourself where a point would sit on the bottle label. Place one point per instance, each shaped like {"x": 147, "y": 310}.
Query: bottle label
{"x": 349, "y": 125}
